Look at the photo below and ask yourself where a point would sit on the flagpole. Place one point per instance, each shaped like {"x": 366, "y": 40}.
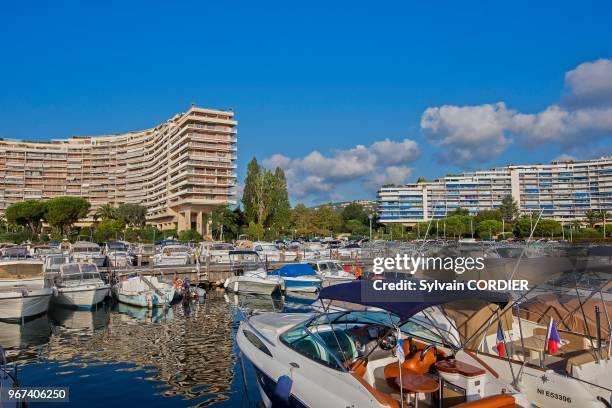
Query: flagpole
{"x": 550, "y": 322}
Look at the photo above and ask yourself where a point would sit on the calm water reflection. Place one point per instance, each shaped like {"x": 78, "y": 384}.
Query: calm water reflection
{"x": 117, "y": 354}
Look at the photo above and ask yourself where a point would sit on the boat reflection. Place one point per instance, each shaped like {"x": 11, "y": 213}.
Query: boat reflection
{"x": 191, "y": 352}
{"x": 23, "y": 341}
{"x": 83, "y": 321}
{"x": 254, "y": 304}
{"x": 143, "y": 314}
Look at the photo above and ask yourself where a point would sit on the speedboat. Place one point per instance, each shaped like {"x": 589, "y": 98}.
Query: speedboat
{"x": 176, "y": 255}
{"x": 22, "y": 287}
{"x": 78, "y": 285}
{"x": 351, "y": 358}
{"x": 250, "y": 275}
{"x": 298, "y": 278}
{"x": 331, "y": 272}
{"x": 89, "y": 252}
{"x": 145, "y": 291}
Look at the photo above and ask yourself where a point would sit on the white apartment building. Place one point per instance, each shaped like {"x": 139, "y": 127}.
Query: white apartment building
{"x": 563, "y": 191}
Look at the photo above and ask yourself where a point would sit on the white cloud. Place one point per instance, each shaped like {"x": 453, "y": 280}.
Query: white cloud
{"x": 318, "y": 175}
{"x": 396, "y": 152}
{"x": 590, "y": 83}
{"x": 480, "y": 133}
{"x": 467, "y": 133}
{"x": 564, "y": 158}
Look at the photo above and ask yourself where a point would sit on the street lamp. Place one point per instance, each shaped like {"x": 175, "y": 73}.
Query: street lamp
{"x": 370, "y": 216}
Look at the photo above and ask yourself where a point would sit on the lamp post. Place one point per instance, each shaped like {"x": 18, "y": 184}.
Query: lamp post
{"x": 370, "y": 218}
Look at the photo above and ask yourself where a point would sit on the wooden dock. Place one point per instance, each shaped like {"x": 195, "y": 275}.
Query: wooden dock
{"x": 206, "y": 275}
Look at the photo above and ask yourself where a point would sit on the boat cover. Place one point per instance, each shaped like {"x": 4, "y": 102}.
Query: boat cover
{"x": 413, "y": 301}
{"x": 294, "y": 271}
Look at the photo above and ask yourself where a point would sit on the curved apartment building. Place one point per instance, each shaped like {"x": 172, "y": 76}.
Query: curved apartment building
{"x": 179, "y": 169}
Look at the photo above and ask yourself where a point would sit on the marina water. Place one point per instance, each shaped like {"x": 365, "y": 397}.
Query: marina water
{"x": 121, "y": 355}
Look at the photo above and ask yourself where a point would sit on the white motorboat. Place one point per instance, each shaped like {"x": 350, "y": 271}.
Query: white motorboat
{"x": 177, "y": 255}
{"x": 267, "y": 251}
{"x": 118, "y": 254}
{"x": 215, "y": 252}
{"x": 298, "y": 278}
{"x": 145, "y": 291}
{"x": 88, "y": 252}
{"x": 347, "y": 359}
{"x": 331, "y": 272}
{"x": 250, "y": 275}
{"x": 22, "y": 287}
{"x": 78, "y": 285}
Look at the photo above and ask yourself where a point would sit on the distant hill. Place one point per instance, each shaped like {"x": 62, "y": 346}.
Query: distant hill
{"x": 369, "y": 205}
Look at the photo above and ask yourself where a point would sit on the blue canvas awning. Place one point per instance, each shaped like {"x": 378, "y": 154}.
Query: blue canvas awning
{"x": 293, "y": 271}
{"x": 412, "y": 302}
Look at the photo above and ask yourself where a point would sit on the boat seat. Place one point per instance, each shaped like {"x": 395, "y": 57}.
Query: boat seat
{"x": 381, "y": 391}
{"x": 383, "y": 398}
{"x": 493, "y": 401}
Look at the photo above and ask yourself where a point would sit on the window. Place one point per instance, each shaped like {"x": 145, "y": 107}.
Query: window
{"x": 256, "y": 342}
{"x": 302, "y": 342}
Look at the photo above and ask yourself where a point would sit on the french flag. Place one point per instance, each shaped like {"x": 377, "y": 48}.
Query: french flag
{"x": 499, "y": 342}
{"x": 554, "y": 340}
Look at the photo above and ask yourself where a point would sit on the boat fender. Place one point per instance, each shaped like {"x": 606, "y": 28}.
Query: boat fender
{"x": 282, "y": 392}
{"x": 178, "y": 283}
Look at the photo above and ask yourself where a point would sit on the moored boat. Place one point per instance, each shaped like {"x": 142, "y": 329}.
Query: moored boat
{"x": 144, "y": 291}
{"x": 78, "y": 285}
{"x": 250, "y": 276}
{"x": 298, "y": 278}
{"x": 22, "y": 290}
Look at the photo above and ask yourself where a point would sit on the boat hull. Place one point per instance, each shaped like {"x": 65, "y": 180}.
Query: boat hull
{"x": 148, "y": 300}
{"x": 85, "y": 296}
{"x": 242, "y": 284}
{"x": 15, "y": 305}
{"x": 302, "y": 284}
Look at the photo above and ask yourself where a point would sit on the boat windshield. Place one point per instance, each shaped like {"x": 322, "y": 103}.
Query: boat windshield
{"x": 333, "y": 339}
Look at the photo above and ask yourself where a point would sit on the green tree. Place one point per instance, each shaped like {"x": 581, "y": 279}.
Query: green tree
{"x": 485, "y": 215}
{"x": 489, "y": 228}
{"x": 223, "y": 218}
{"x": 28, "y": 213}
{"x": 327, "y": 220}
{"x": 107, "y": 212}
{"x": 255, "y": 231}
{"x": 254, "y": 194}
{"x": 109, "y": 230}
{"x": 279, "y": 213}
{"x": 421, "y": 180}
{"x": 62, "y": 212}
{"x": 457, "y": 225}
{"x": 459, "y": 211}
{"x": 354, "y": 211}
{"x": 303, "y": 220}
{"x": 356, "y": 228}
{"x": 509, "y": 209}
{"x": 592, "y": 217}
{"x": 546, "y": 228}
{"x": 190, "y": 235}
{"x": 134, "y": 215}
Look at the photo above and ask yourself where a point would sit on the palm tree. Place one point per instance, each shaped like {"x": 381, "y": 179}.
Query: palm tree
{"x": 591, "y": 217}
{"x": 106, "y": 212}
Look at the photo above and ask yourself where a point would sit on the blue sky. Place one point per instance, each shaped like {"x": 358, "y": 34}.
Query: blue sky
{"x": 319, "y": 87}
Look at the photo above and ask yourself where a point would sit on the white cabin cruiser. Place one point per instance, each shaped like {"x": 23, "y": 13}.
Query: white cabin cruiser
{"x": 88, "y": 252}
{"x": 78, "y": 285}
{"x": 331, "y": 272}
{"x": 348, "y": 358}
{"x": 250, "y": 275}
{"x": 22, "y": 287}
{"x": 177, "y": 255}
